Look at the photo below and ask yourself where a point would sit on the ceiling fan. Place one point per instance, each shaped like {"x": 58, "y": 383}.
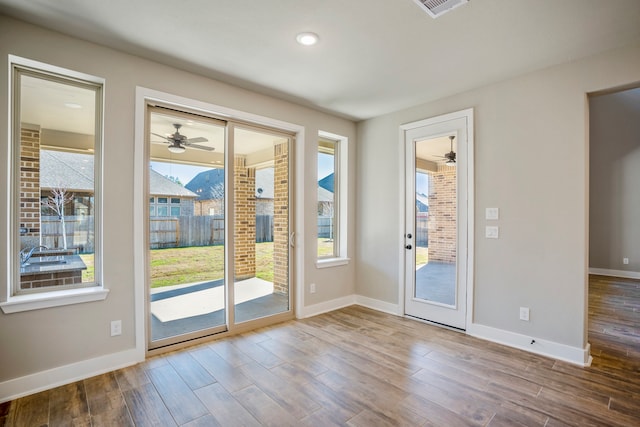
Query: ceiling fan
{"x": 451, "y": 155}
{"x": 178, "y": 142}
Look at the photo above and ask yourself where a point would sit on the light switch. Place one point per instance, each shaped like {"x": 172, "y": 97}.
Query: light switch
{"x": 492, "y": 213}
{"x": 491, "y": 232}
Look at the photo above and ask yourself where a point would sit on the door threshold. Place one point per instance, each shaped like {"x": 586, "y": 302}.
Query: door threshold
{"x": 440, "y": 325}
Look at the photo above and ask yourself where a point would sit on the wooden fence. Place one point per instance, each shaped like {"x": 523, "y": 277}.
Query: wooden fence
{"x": 181, "y": 231}
{"x": 422, "y": 234}
{"x": 79, "y": 231}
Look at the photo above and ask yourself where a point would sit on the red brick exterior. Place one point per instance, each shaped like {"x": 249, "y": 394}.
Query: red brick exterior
{"x": 281, "y": 219}
{"x": 442, "y": 214}
{"x": 244, "y": 219}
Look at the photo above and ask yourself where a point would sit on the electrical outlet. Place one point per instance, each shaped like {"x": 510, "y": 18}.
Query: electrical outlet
{"x": 116, "y": 327}
{"x": 312, "y": 288}
{"x": 625, "y": 260}
{"x": 524, "y": 313}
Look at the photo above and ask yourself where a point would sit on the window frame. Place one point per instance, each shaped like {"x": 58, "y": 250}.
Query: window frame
{"x": 340, "y": 152}
{"x": 12, "y": 298}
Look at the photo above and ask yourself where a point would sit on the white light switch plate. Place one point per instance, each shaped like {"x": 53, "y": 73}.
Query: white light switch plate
{"x": 491, "y": 232}
{"x": 492, "y": 213}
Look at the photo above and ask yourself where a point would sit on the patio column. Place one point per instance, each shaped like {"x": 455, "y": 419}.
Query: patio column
{"x": 442, "y": 214}
{"x": 29, "y": 185}
{"x": 244, "y": 219}
{"x": 281, "y": 219}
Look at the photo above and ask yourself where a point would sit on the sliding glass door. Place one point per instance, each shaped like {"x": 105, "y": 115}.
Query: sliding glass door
{"x": 218, "y": 214}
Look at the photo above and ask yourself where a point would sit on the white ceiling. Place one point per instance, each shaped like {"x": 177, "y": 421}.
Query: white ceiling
{"x": 374, "y": 56}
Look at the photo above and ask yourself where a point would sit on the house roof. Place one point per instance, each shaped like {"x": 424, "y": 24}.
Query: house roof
{"x": 210, "y": 184}
{"x": 327, "y": 182}
{"x": 74, "y": 172}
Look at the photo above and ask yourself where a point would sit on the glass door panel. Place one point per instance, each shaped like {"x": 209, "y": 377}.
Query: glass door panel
{"x": 435, "y": 223}
{"x": 186, "y": 259}
{"x": 261, "y": 223}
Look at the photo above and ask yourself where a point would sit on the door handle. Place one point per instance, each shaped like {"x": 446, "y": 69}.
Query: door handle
{"x": 408, "y": 247}
{"x": 292, "y": 239}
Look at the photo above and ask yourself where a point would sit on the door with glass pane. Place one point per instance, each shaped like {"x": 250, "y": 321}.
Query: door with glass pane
{"x": 261, "y": 237}
{"x": 186, "y": 226}
{"x": 218, "y": 225}
{"x": 436, "y": 222}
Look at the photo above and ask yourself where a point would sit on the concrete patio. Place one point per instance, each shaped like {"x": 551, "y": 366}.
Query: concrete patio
{"x": 181, "y": 309}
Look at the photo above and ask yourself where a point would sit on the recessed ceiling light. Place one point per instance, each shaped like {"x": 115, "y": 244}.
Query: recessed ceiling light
{"x": 72, "y": 105}
{"x": 307, "y": 39}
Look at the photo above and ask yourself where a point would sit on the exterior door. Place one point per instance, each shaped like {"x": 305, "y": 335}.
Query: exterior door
{"x": 436, "y": 220}
{"x": 218, "y": 226}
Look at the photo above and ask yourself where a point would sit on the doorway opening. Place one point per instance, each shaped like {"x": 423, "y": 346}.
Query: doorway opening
{"x": 614, "y": 235}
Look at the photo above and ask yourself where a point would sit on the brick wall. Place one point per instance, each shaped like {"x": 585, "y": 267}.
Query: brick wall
{"x": 43, "y": 280}
{"x": 442, "y": 214}
{"x": 244, "y": 219}
{"x": 30, "y": 185}
{"x": 281, "y": 219}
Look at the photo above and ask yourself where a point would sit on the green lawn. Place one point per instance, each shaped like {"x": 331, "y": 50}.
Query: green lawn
{"x": 175, "y": 266}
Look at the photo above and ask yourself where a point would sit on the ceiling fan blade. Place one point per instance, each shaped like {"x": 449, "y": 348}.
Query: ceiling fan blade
{"x": 161, "y": 142}
{"x": 200, "y": 147}
{"x": 198, "y": 139}
{"x": 160, "y": 136}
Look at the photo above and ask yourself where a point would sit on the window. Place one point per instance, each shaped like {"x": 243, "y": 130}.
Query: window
{"x": 162, "y": 200}
{"x": 175, "y": 200}
{"x": 56, "y": 191}
{"x": 163, "y": 211}
{"x": 175, "y": 210}
{"x": 327, "y": 224}
{"x": 331, "y": 216}
{"x": 152, "y": 210}
{"x": 152, "y": 199}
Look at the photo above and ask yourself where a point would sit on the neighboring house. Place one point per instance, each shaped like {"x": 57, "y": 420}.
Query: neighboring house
{"x": 74, "y": 172}
{"x": 422, "y": 203}
{"x": 209, "y": 187}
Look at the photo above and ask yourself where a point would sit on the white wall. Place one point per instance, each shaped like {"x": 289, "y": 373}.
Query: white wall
{"x": 614, "y": 203}
{"x": 36, "y": 341}
{"x": 531, "y": 161}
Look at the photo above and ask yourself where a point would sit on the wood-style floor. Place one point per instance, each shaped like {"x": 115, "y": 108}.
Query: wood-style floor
{"x": 359, "y": 367}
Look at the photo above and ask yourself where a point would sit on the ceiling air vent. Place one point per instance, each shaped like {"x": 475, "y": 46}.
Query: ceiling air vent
{"x": 436, "y": 8}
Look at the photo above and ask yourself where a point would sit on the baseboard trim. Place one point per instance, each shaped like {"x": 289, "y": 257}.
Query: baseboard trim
{"x": 325, "y": 307}
{"x": 45, "y": 380}
{"x": 574, "y": 355}
{"x": 615, "y": 273}
{"x": 376, "y": 304}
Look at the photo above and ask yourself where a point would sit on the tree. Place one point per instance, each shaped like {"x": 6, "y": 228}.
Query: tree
{"x": 174, "y": 179}
{"x": 55, "y": 202}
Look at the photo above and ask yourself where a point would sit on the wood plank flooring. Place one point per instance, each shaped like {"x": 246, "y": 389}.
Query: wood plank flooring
{"x": 359, "y": 367}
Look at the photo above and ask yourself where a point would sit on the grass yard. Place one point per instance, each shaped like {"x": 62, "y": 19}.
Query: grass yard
{"x": 176, "y": 266}
{"x": 422, "y": 256}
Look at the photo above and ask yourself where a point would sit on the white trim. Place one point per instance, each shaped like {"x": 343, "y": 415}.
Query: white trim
{"x": 575, "y": 355}
{"x": 331, "y": 262}
{"x": 375, "y": 304}
{"x": 615, "y": 273}
{"x": 58, "y": 298}
{"x": 325, "y": 307}
{"x": 45, "y": 380}
{"x": 468, "y": 116}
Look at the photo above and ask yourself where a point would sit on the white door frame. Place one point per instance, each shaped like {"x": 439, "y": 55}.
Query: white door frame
{"x": 468, "y": 116}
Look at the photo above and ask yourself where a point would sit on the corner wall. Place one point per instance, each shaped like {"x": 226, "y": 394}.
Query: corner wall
{"x": 531, "y": 161}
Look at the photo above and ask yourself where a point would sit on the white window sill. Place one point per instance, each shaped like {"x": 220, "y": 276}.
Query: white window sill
{"x": 40, "y": 300}
{"x": 332, "y": 262}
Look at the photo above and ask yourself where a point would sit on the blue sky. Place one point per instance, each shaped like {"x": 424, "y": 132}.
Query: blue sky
{"x": 186, "y": 172}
